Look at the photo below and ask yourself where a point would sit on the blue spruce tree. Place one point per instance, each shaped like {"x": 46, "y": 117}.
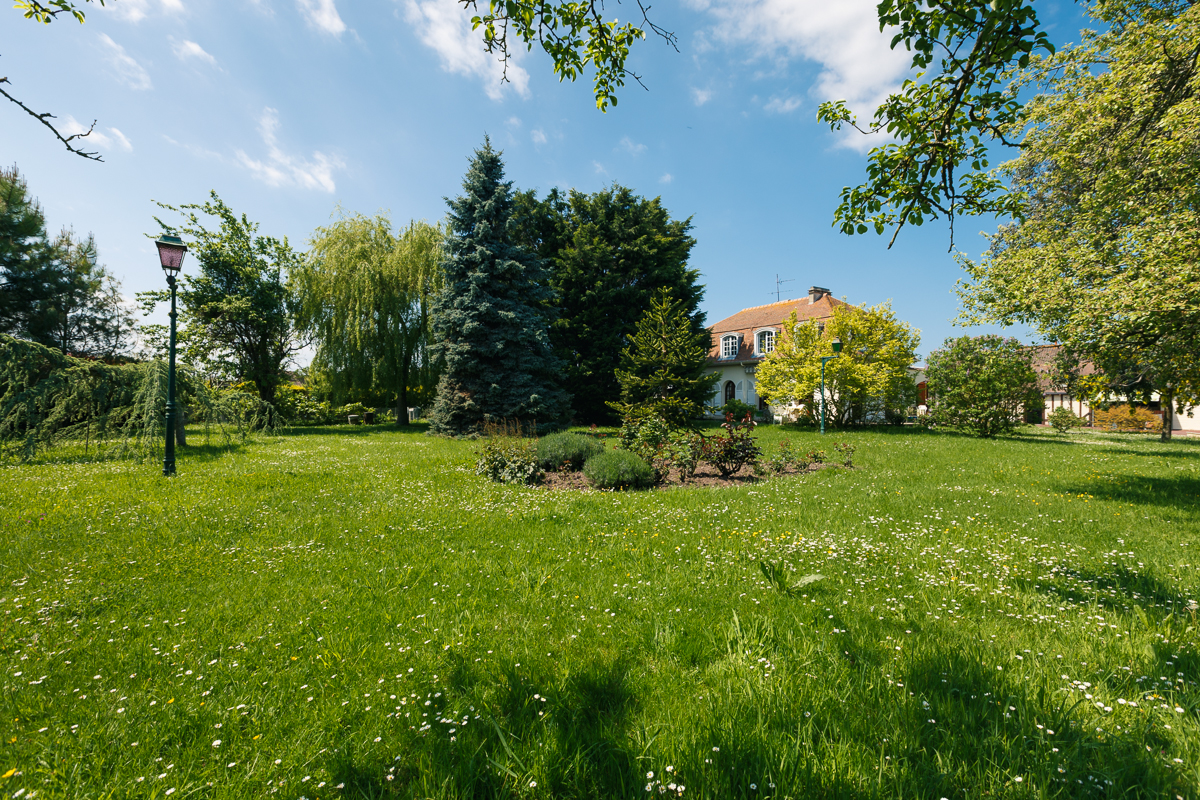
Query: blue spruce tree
{"x": 491, "y": 319}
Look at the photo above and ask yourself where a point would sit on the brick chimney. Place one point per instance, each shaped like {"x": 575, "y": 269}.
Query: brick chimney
{"x": 815, "y": 293}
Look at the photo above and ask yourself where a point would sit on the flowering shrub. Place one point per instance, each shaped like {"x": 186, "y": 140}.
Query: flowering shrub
{"x": 736, "y": 449}
{"x": 509, "y": 460}
{"x": 618, "y": 469}
{"x": 845, "y": 451}
{"x": 1134, "y": 419}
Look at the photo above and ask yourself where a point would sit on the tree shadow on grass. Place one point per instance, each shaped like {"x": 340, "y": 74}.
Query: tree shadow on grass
{"x": 975, "y": 726}
{"x": 357, "y": 431}
{"x": 1166, "y": 491}
{"x": 569, "y": 728}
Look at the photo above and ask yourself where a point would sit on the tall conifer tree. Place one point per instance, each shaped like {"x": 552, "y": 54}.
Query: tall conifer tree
{"x": 490, "y": 320}
{"x": 609, "y": 254}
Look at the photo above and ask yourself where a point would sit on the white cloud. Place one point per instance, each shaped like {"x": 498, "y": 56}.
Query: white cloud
{"x": 782, "y": 105}
{"x": 281, "y": 169}
{"x": 600, "y": 170}
{"x": 443, "y": 26}
{"x": 666, "y": 178}
{"x": 513, "y": 122}
{"x": 857, "y": 64}
{"x": 137, "y": 10}
{"x": 185, "y": 50}
{"x": 113, "y": 140}
{"x": 701, "y": 96}
{"x": 632, "y": 147}
{"x": 128, "y": 70}
{"x": 322, "y": 15}
{"x": 538, "y": 135}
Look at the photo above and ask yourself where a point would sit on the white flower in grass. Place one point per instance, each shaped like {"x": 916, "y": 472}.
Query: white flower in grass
{"x": 216, "y": 742}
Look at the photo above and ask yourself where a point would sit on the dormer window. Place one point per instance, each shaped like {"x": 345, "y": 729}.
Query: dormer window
{"x": 729, "y": 346}
{"x": 765, "y": 342}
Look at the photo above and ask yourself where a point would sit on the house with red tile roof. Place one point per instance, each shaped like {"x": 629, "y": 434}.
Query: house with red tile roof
{"x": 740, "y": 342}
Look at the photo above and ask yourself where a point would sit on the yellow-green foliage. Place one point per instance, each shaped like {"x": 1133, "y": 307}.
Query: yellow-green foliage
{"x": 1127, "y": 418}
{"x": 870, "y": 375}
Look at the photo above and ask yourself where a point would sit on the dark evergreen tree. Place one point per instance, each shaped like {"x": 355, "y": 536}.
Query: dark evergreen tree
{"x": 490, "y": 321}
{"x": 55, "y": 293}
{"x": 610, "y": 253}
{"x": 663, "y": 370}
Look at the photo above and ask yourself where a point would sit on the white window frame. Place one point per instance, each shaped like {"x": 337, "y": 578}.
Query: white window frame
{"x": 729, "y": 346}
{"x": 759, "y": 335}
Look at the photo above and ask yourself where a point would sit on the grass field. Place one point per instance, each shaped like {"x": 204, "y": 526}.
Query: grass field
{"x": 353, "y": 613}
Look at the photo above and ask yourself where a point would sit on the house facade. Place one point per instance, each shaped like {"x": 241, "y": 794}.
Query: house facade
{"x": 1187, "y": 423}
{"x": 740, "y": 342}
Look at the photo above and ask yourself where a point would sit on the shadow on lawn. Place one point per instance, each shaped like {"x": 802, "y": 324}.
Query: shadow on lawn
{"x": 1168, "y": 491}
{"x": 979, "y": 720}
{"x": 300, "y": 431}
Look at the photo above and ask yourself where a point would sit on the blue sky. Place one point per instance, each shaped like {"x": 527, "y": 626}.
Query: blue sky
{"x": 290, "y": 108}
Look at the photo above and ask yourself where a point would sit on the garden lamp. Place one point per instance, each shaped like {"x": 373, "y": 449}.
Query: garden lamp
{"x": 171, "y": 250}
{"x": 837, "y": 348}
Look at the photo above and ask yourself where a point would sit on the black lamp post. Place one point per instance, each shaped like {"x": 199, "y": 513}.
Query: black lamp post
{"x": 837, "y": 348}
{"x": 171, "y": 250}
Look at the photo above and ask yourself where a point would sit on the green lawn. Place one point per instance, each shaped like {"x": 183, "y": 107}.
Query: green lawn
{"x": 353, "y": 613}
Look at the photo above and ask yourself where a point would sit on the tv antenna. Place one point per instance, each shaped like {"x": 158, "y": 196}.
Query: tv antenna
{"x": 779, "y": 283}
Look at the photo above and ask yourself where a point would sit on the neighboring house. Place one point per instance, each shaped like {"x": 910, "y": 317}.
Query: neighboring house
{"x": 740, "y": 342}
{"x": 1058, "y": 397}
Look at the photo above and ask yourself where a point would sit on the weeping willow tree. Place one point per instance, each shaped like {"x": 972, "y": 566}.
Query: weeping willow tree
{"x": 114, "y": 411}
{"x": 364, "y": 295}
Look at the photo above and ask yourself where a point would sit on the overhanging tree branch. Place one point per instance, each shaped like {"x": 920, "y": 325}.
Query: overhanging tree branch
{"x": 45, "y": 120}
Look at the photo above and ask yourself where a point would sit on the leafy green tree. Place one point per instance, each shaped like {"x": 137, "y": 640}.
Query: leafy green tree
{"x": 610, "y": 254}
{"x": 235, "y": 317}
{"x": 574, "y": 35}
{"x": 664, "y": 370}
{"x": 869, "y": 378}
{"x": 46, "y": 13}
{"x": 364, "y": 294}
{"x": 982, "y": 383}
{"x": 490, "y": 320}
{"x": 1104, "y": 260}
{"x": 55, "y": 292}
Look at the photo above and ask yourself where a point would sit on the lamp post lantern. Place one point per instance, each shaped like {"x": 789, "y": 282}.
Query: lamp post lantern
{"x": 837, "y": 348}
{"x": 171, "y": 250}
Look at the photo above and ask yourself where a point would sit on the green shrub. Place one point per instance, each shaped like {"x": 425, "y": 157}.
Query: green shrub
{"x": 685, "y": 450}
{"x": 736, "y": 449}
{"x": 786, "y": 459}
{"x": 739, "y": 409}
{"x": 845, "y": 451}
{"x": 648, "y": 437}
{"x": 510, "y": 460}
{"x": 342, "y": 413}
{"x": 1064, "y": 419}
{"x": 566, "y": 451}
{"x": 618, "y": 469}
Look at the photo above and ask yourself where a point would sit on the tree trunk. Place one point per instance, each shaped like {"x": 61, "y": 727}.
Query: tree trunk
{"x": 1167, "y": 399}
{"x": 402, "y": 397}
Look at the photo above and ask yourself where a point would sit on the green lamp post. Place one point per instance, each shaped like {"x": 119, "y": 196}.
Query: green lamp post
{"x": 837, "y": 348}
{"x": 171, "y": 250}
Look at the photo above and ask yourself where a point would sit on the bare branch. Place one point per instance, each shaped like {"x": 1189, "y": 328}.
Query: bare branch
{"x": 45, "y": 120}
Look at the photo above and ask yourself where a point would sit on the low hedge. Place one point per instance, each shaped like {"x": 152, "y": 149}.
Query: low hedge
{"x": 566, "y": 451}
{"x": 618, "y": 469}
